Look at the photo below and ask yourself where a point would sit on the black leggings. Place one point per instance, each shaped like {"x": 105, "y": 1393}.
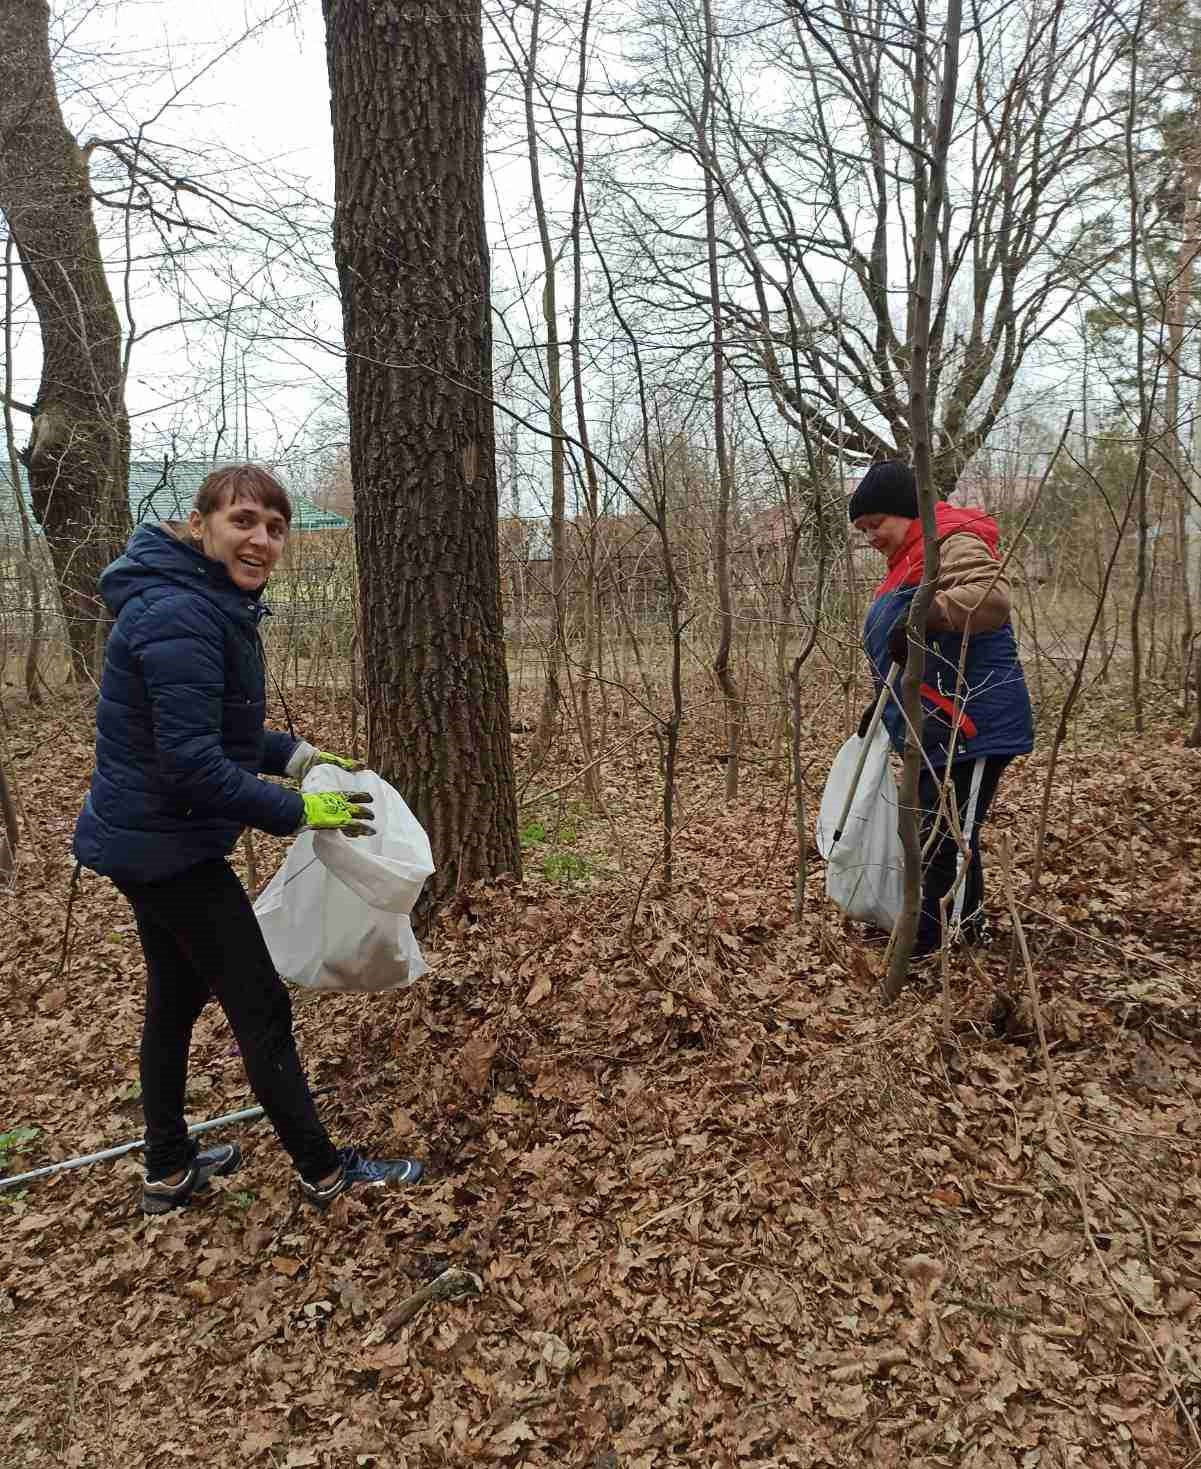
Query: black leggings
{"x": 201, "y": 940}
{"x": 941, "y": 865}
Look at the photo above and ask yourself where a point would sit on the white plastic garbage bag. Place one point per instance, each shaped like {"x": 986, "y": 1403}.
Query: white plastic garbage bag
{"x": 336, "y": 914}
{"x": 865, "y": 867}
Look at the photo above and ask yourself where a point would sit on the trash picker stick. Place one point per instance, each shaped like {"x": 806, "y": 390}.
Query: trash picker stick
{"x": 250, "y": 1114}
{"x": 873, "y": 725}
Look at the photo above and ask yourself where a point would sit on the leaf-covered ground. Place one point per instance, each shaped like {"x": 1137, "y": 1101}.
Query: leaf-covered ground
{"x": 725, "y": 1207}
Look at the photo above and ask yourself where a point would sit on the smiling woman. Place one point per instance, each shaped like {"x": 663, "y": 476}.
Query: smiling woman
{"x": 180, "y": 746}
{"x": 241, "y": 519}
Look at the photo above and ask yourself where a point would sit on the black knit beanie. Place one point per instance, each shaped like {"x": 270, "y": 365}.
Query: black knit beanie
{"x": 886, "y": 489}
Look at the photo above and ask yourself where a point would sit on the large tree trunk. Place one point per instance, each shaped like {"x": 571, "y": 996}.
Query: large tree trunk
{"x": 407, "y": 84}
{"x": 78, "y": 454}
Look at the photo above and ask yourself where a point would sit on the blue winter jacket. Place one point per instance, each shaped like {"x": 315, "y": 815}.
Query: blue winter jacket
{"x": 995, "y": 717}
{"x": 180, "y": 740}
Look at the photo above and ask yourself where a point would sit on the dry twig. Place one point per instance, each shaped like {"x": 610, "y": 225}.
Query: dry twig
{"x": 448, "y": 1286}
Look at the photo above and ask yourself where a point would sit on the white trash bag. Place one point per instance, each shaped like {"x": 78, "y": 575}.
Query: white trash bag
{"x": 336, "y": 914}
{"x": 865, "y": 868}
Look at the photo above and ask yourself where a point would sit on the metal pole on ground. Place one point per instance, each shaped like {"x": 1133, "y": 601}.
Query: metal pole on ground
{"x": 249, "y": 1114}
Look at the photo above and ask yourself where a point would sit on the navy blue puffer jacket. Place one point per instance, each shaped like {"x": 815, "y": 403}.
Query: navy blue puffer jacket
{"x": 180, "y": 740}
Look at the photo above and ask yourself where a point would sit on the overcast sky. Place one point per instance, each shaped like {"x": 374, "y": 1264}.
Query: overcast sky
{"x": 258, "y": 97}
{"x": 266, "y": 94}
{"x": 258, "y": 91}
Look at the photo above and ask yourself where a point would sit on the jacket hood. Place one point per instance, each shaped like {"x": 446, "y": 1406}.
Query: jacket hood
{"x": 155, "y": 558}
{"x": 951, "y": 518}
{"x": 905, "y": 563}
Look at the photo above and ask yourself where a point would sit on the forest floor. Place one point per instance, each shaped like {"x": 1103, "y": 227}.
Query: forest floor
{"x": 725, "y": 1208}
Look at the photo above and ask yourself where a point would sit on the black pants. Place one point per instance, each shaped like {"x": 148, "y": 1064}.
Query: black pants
{"x": 201, "y": 940}
{"x": 970, "y": 778}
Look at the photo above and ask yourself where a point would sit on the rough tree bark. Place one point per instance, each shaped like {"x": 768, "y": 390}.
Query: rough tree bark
{"x": 78, "y": 453}
{"x": 31, "y": 578}
{"x": 407, "y": 85}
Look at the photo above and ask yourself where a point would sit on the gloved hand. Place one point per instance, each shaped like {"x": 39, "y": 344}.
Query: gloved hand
{"x": 865, "y": 719}
{"x": 898, "y": 641}
{"x": 333, "y": 811}
{"x": 305, "y": 756}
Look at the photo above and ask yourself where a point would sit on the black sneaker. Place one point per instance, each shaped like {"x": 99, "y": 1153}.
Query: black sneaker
{"x": 355, "y": 1169}
{"x": 975, "y": 931}
{"x": 925, "y": 963}
{"x": 160, "y": 1198}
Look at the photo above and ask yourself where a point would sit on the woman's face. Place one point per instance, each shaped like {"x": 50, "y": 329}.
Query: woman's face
{"x": 884, "y": 533}
{"x": 245, "y": 537}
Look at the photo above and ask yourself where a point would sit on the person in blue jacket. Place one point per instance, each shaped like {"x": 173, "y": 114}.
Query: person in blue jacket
{"x": 180, "y": 746}
{"x": 978, "y": 718}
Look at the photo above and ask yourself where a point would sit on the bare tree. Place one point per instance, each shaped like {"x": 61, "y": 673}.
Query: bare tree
{"x": 592, "y": 623}
{"x": 824, "y": 207}
{"x": 705, "y": 144}
{"x": 931, "y": 168}
{"x": 551, "y": 695}
{"x": 1011, "y": 241}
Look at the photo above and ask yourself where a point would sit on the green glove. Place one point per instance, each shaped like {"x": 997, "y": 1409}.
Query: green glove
{"x": 333, "y": 811}
{"x": 305, "y": 756}
{"x": 323, "y": 757}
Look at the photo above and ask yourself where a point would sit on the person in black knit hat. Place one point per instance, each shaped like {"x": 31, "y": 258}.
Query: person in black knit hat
{"x": 975, "y": 722}
{"x": 886, "y": 489}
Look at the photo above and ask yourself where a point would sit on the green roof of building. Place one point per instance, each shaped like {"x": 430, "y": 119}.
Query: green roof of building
{"x": 159, "y": 491}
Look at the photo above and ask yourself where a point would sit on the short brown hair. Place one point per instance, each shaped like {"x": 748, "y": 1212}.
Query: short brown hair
{"x": 243, "y": 482}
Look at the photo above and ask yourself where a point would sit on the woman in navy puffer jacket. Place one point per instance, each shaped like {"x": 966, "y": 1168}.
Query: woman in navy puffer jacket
{"x": 976, "y": 721}
{"x": 180, "y": 745}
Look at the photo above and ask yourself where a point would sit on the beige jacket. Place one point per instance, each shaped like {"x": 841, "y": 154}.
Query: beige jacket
{"x": 973, "y": 594}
